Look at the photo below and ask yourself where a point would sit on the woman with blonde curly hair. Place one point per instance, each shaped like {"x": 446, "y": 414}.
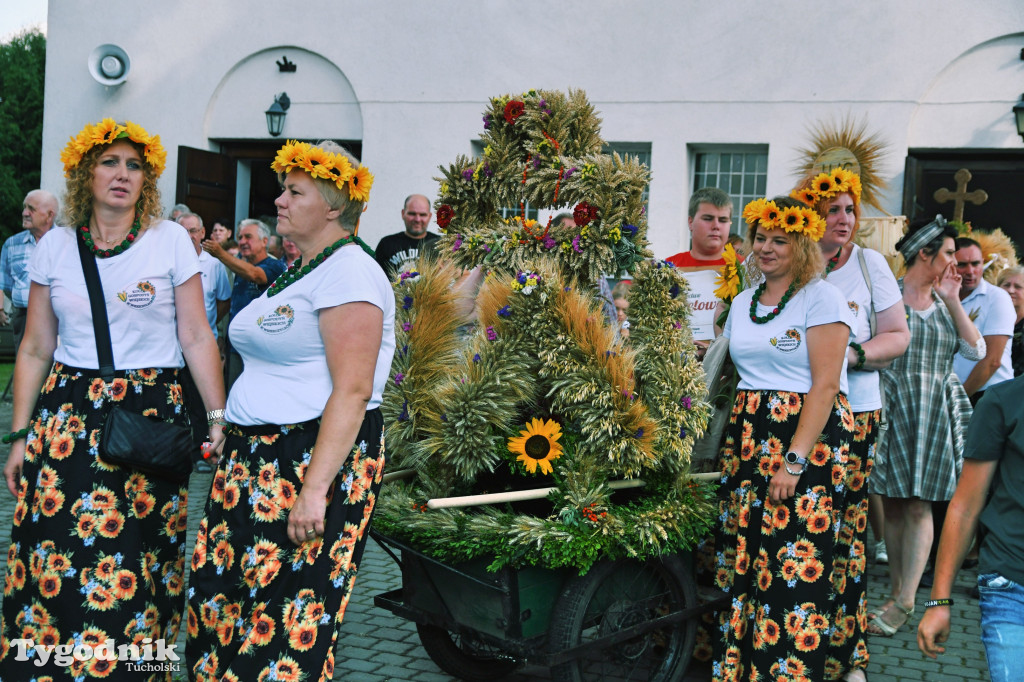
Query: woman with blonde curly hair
{"x": 96, "y": 549}
{"x": 880, "y": 335}
{"x": 280, "y": 542}
{"x": 784, "y": 457}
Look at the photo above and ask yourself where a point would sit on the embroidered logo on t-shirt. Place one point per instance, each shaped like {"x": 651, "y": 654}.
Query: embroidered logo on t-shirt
{"x": 854, "y": 307}
{"x": 788, "y": 342}
{"x": 277, "y": 321}
{"x": 139, "y": 296}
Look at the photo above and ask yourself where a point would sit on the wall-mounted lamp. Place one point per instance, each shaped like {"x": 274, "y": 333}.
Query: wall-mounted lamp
{"x": 1018, "y": 113}
{"x": 276, "y": 113}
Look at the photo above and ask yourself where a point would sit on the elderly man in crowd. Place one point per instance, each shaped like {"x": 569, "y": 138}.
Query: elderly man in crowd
{"x": 255, "y": 270}
{"x": 38, "y": 213}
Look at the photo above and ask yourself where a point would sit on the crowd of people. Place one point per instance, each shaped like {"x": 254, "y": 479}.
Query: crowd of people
{"x": 853, "y": 409}
{"x": 854, "y": 402}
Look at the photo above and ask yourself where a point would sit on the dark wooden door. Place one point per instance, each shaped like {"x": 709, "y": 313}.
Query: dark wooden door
{"x": 206, "y": 184}
{"x": 1000, "y": 173}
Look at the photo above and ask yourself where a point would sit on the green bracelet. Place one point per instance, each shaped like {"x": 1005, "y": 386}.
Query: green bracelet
{"x": 14, "y": 435}
{"x": 860, "y": 355}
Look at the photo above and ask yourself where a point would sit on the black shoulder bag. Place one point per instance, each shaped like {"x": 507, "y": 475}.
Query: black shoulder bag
{"x": 129, "y": 439}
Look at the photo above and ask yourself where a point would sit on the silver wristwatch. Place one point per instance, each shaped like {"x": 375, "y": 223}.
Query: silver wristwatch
{"x": 793, "y": 458}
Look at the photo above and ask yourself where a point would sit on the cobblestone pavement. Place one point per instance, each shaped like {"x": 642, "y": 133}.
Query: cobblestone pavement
{"x": 376, "y": 646}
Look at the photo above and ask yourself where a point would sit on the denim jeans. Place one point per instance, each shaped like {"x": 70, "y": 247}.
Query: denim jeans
{"x": 1002, "y": 626}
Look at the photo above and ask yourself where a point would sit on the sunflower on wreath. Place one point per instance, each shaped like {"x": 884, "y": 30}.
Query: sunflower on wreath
{"x": 537, "y": 445}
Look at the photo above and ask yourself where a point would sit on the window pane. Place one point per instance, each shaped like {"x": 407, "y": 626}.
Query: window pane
{"x": 743, "y": 173}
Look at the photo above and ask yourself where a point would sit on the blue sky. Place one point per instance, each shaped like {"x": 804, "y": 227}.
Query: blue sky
{"x": 19, "y": 14}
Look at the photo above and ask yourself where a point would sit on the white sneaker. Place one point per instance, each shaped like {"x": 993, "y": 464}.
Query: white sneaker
{"x": 881, "y": 555}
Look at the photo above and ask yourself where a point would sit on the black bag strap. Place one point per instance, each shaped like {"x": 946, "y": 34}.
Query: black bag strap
{"x": 100, "y": 324}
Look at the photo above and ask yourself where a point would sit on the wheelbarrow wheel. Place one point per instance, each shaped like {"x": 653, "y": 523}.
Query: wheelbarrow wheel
{"x": 614, "y": 596}
{"x": 463, "y": 656}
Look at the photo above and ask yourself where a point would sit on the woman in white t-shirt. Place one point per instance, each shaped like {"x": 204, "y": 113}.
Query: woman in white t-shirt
{"x": 880, "y": 335}
{"x": 785, "y": 455}
{"x": 284, "y": 529}
{"x": 96, "y": 549}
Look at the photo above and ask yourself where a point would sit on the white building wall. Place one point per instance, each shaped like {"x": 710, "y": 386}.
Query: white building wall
{"x": 925, "y": 73}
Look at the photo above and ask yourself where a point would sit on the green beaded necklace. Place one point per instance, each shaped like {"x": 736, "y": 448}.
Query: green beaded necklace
{"x": 833, "y": 262}
{"x": 778, "y": 309}
{"x": 107, "y": 253}
{"x": 297, "y": 270}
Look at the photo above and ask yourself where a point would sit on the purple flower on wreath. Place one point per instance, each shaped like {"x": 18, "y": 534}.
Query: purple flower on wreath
{"x": 542, "y": 104}
{"x": 491, "y": 334}
{"x": 631, "y": 229}
{"x": 576, "y": 244}
{"x": 569, "y": 172}
{"x": 505, "y": 311}
{"x": 677, "y": 324}
{"x": 476, "y": 357}
{"x": 682, "y": 433}
{"x": 566, "y": 289}
{"x": 674, "y": 291}
{"x": 467, "y": 174}
{"x": 547, "y": 111}
{"x": 408, "y": 275}
{"x": 549, "y": 243}
{"x": 536, "y": 163}
{"x": 458, "y": 243}
{"x": 486, "y": 248}
{"x": 404, "y": 416}
{"x": 639, "y": 433}
{"x": 686, "y": 402}
{"x": 406, "y": 326}
{"x": 487, "y": 121}
{"x": 406, "y": 302}
{"x": 487, "y": 170}
{"x": 399, "y": 378}
{"x": 444, "y": 417}
{"x": 521, "y": 277}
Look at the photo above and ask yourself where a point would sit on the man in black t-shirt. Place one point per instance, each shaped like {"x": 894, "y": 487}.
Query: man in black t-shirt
{"x": 398, "y": 252}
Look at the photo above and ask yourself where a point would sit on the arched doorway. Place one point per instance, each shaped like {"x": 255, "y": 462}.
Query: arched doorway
{"x": 232, "y": 180}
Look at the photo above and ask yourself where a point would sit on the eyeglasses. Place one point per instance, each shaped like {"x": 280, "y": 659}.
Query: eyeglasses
{"x": 197, "y": 230}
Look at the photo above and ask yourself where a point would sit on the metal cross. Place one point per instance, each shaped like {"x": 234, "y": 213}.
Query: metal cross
{"x": 977, "y": 197}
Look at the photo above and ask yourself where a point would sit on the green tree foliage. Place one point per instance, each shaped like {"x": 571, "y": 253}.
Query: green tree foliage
{"x": 22, "y": 74}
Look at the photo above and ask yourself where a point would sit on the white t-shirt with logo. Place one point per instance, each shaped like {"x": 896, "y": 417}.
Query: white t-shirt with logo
{"x": 773, "y": 356}
{"x": 992, "y": 311}
{"x": 286, "y": 379}
{"x": 138, "y": 287}
{"x": 216, "y": 286}
{"x": 864, "y": 393}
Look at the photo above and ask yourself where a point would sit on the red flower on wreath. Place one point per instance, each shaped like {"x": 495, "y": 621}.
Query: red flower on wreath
{"x": 513, "y": 110}
{"x": 445, "y": 213}
{"x": 583, "y": 214}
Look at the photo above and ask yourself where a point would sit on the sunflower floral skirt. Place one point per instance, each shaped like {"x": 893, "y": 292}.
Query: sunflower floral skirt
{"x": 259, "y": 607}
{"x": 778, "y": 562}
{"x": 97, "y": 551}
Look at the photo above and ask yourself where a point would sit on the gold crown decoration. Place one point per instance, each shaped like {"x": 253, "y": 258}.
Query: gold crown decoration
{"x": 793, "y": 219}
{"x": 825, "y": 186}
{"x": 106, "y": 132}
{"x": 325, "y": 165}
{"x": 845, "y": 144}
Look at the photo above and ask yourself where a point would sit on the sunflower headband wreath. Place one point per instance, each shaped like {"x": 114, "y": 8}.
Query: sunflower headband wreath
{"x": 793, "y": 219}
{"x": 824, "y": 186}
{"x": 106, "y": 132}
{"x": 320, "y": 163}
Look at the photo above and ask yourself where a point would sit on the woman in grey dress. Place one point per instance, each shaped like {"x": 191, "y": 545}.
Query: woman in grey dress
{"x": 919, "y": 460}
